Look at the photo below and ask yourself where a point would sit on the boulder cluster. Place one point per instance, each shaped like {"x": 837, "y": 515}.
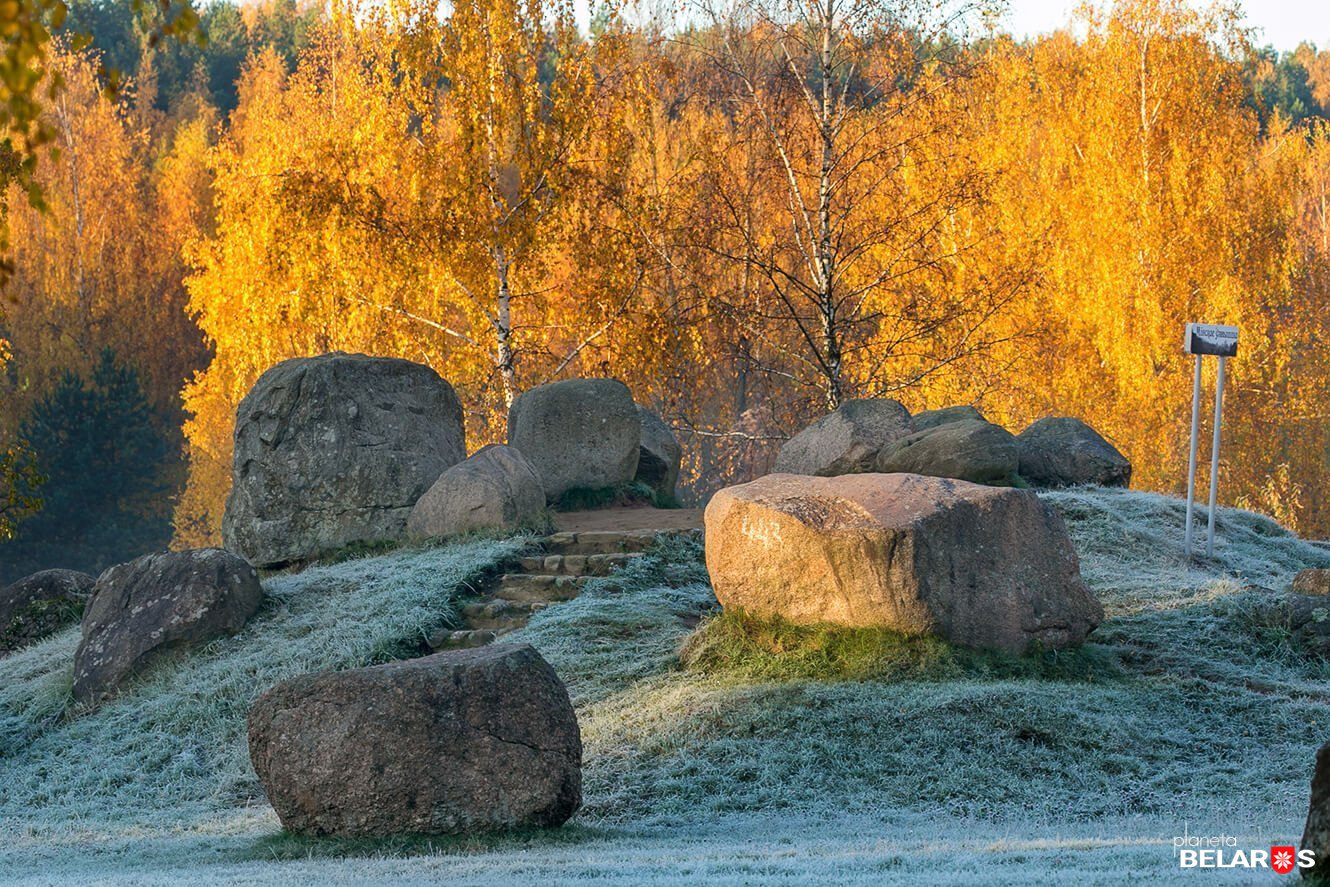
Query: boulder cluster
{"x": 874, "y": 518}
{"x": 343, "y": 449}
{"x": 879, "y": 435}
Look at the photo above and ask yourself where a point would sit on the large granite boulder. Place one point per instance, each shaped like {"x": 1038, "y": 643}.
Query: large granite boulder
{"x": 1316, "y": 832}
{"x": 845, "y": 441}
{"x": 1065, "y": 452}
{"x": 38, "y": 605}
{"x": 979, "y": 566}
{"x": 933, "y": 418}
{"x": 466, "y": 740}
{"x": 979, "y": 452}
{"x": 161, "y": 602}
{"x": 659, "y": 455}
{"x": 496, "y": 488}
{"x": 333, "y": 450}
{"x": 580, "y": 433}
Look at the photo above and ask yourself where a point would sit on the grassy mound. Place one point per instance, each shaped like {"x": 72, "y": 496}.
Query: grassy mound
{"x": 734, "y": 749}
{"x": 1170, "y": 711}
{"x": 173, "y": 747}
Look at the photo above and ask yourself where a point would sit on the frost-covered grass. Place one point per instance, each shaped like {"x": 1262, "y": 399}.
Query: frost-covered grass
{"x": 625, "y": 629}
{"x": 172, "y": 749}
{"x": 780, "y": 756}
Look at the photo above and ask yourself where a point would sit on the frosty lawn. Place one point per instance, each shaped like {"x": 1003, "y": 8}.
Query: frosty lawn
{"x": 934, "y": 765}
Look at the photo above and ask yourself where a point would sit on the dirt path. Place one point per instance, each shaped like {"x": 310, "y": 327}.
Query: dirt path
{"x": 629, "y": 518}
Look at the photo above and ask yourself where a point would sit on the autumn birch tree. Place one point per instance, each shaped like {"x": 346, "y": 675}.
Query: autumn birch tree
{"x": 838, "y": 100}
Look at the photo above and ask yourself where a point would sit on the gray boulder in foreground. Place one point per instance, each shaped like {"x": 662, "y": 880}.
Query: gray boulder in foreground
{"x": 461, "y": 741}
{"x": 979, "y": 452}
{"x": 38, "y": 605}
{"x": 845, "y": 441}
{"x": 978, "y": 566}
{"x": 1063, "y": 451}
{"x": 579, "y": 433}
{"x": 659, "y": 454}
{"x": 334, "y": 450}
{"x": 495, "y": 488}
{"x": 158, "y": 603}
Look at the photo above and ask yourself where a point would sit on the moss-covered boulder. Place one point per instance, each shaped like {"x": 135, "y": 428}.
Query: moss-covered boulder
{"x": 40, "y": 604}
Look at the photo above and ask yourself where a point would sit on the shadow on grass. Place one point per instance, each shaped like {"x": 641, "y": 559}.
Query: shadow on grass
{"x": 743, "y": 647}
{"x": 287, "y": 846}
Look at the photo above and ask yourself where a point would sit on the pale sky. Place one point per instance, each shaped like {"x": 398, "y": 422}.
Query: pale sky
{"x": 1283, "y": 23}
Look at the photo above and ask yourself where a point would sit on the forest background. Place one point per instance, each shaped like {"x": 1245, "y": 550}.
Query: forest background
{"x": 749, "y": 214}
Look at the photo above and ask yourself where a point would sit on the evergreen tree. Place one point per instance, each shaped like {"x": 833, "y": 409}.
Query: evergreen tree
{"x": 98, "y": 443}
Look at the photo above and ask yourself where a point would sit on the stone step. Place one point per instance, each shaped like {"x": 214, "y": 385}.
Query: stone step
{"x": 500, "y": 615}
{"x": 577, "y": 564}
{"x": 537, "y": 587}
{"x": 590, "y": 542}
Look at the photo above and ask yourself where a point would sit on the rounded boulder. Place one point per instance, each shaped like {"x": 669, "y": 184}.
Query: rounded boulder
{"x": 945, "y": 416}
{"x": 495, "y": 488}
{"x": 845, "y": 441}
{"x": 461, "y": 741}
{"x": 978, "y": 566}
{"x": 1316, "y": 830}
{"x": 979, "y": 452}
{"x": 170, "y": 601}
{"x": 1312, "y": 582}
{"x": 1061, "y": 451}
{"x": 334, "y": 450}
{"x": 38, "y": 605}
{"x": 579, "y": 433}
{"x": 659, "y": 455}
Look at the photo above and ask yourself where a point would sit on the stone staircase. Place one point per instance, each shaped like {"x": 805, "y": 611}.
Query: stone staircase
{"x": 554, "y": 570}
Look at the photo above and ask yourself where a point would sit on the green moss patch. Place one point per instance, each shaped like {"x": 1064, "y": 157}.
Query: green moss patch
{"x": 742, "y": 647}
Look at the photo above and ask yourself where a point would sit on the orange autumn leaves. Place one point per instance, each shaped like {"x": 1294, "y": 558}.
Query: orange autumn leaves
{"x": 508, "y": 201}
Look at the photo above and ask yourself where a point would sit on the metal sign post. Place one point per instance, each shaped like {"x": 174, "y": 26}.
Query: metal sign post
{"x": 1222, "y": 341}
{"x": 1191, "y": 460}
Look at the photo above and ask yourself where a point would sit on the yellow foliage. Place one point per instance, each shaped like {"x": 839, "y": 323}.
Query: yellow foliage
{"x": 1026, "y": 230}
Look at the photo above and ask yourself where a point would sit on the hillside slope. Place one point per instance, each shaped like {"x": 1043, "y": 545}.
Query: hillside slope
{"x": 1191, "y": 710}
